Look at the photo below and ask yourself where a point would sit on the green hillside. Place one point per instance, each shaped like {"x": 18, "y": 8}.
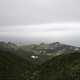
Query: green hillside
{"x": 16, "y": 63}
{"x": 63, "y": 67}
{"x": 14, "y": 67}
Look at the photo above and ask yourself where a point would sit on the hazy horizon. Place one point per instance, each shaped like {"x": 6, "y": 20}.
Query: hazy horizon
{"x": 35, "y": 21}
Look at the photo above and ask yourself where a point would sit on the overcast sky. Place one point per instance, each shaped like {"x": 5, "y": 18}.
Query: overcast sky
{"x": 40, "y": 20}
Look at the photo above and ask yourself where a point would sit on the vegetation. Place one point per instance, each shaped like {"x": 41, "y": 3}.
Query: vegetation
{"x": 13, "y": 66}
{"x": 63, "y": 67}
{"x": 16, "y": 63}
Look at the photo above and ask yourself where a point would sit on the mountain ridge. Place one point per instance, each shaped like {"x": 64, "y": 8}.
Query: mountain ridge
{"x": 20, "y": 63}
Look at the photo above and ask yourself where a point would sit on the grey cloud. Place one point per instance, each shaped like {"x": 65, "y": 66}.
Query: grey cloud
{"x": 67, "y": 26}
{"x": 25, "y": 12}
{"x": 19, "y": 19}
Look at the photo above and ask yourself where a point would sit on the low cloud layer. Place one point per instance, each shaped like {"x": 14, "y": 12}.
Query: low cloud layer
{"x": 64, "y": 26}
{"x": 40, "y": 21}
{"x": 64, "y": 32}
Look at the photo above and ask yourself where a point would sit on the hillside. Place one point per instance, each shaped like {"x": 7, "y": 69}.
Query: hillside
{"x": 15, "y": 67}
{"x": 63, "y": 67}
{"x": 31, "y": 62}
{"x": 44, "y": 52}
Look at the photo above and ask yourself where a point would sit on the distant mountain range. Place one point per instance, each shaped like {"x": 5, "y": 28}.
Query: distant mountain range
{"x": 58, "y": 47}
{"x": 48, "y": 51}
{"x": 39, "y": 52}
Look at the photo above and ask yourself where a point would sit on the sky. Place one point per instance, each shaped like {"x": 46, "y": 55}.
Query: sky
{"x": 34, "y": 21}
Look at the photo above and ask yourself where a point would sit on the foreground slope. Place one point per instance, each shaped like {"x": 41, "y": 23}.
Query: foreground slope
{"x": 63, "y": 67}
{"x": 14, "y": 67}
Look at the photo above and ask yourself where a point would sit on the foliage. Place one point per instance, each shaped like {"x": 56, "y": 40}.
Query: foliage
{"x": 63, "y": 67}
{"x": 16, "y": 64}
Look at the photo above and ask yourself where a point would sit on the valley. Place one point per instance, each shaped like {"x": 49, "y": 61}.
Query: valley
{"x": 54, "y": 61}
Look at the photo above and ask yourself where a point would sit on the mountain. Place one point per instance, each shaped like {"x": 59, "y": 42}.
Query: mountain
{"x": 7, "y": 46}
{"x": 14, "y": 66}
{"x": 40, "y": 53}
{"x": 48, "y": 51}
{"x": 54, "y": 61}
{"x": 60, "y": 48}
{"x": 62, "y": 67}
{"x": 15, "y": 49}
